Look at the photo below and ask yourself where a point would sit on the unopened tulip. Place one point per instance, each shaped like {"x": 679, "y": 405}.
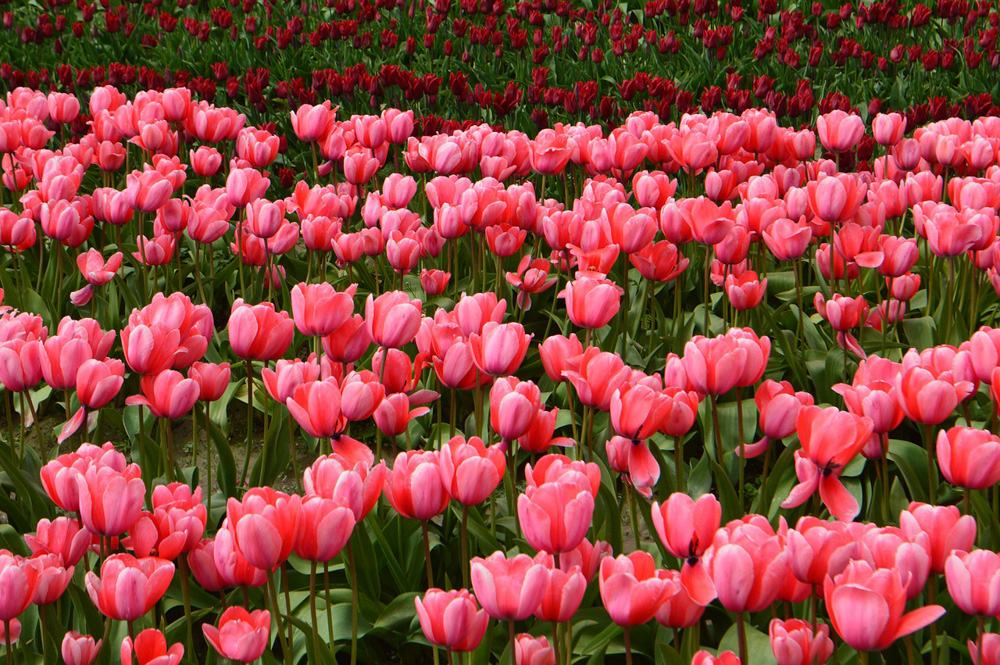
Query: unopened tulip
{"x": 127, "y": 587}
{"x": 508, "y": 589}
{"x": 969, "y": 457}
{"x": 264, "y": 525}
{"x": 451, "y": 619}
{"x": 80, "y": 649}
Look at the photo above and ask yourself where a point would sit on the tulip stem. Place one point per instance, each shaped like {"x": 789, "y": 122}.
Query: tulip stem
{"x": 510, "y": 635}
{"x": 743, "y": 449}
{"x": 967, "y": 500}
{"x": 312, "y": 610}
{"x": 131, "y": 631}
{"x": 288, "y": 602}
{"x": 741, "y": 634}
{"x": 628, "y": 645}
{"x": 715, "y": 429}
{"x": 931, "y": 596}
{"x": 329, "y": 603}
{"x": 427, "y": 554}
{"x": 931, "y": 475}
{"x": 354, "y": 604}
{"x": 708, "y": 275}
{"x": 798, "y": 293}
{"x": 246, "y": 458}
{"x": 862, "y": 658}
{"x": 979, "y": 641}
{"x": 38, "y": 430}
{"x": 186, "y": 595}
{"x": 6, "y": 637}
{"x": 208, "y": 457}
{"x": 272, "y": 592}
{"x": 165, "y": 423}
{"x": 679, "y": 462}
{"x": 465, "y": 546}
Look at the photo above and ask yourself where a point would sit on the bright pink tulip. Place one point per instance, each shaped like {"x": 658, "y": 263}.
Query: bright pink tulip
{"x": 947, "y": 529}
{"x": 818, "y": 549}
{"x": 54, "y": 578}
{"x": 714, "y": 365}
{"x": 127, "y": 587}
{"x": 61, "y": 536}
{"x": 555, "y": 516}
{"x": 392, "y": 319}
{"x": 500, "y": 348}
{"x": 319, "y": 310}
{"x": 591, "y": 302}
{"x": 264, "y": 525}
{"x": 19, "y": 581}
{"x": 110, "y": 500}
{"x": 508, "y": 589}
{"x": 147, "y": 191}
{"x": 451, "y": 619}
{"x": 830, "y": 439}
{"x": 969, "y": 457}
{"x": 212, "y": 380}
{"x": 513, "y": 406}
{"x": 338, "y": 477}
{"x": 469, "y": 470}
{"x": 150, "y": 648}
{"x": 596, "y": 375}
{"x": 866, "y": 607}
{"x": 680, "y": 610}
{"x": 167, "y": 395}
{"x": 324, "y": 528}
{"x": 631, "y": 591}
{"x": 838, "y": 131}
{"x": 315, "y": 405}
{"x": 748, "y": 563}
{"x": 564, "y": 591}
{"x": 794, "y": 642}
{"x": 231, "y": 566}
{"x": 259, "y": 332}
{"x": 414, "y": 487}
{"x": 80, "y": 649}
{"x": 242, "y": 636}
{"x": 531, "y": 650}
{"x": 310, "y": 123}
{"x": 724, "y": 658}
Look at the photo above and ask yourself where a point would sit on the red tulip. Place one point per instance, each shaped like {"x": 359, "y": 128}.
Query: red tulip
{"x": 596, "y": 375}
{"x": 150, "y": 648}
{"x": 61, "y": 536}
{"x": 563, "y": 593}
{"x": 230, "y": 564}
{"x": 315, "y": 405}
{"x": 830, "y": 439}
{"x": 264, "y": 526}
{"x": 128, "y": 587}
{"x": 212, "y": 380}
{"x": 451, "y": 619}
{"x": 338, "y": 477}
{"x": 242, "y": 636}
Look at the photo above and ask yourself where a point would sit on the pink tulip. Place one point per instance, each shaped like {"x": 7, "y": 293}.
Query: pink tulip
{"x": 947, "y": 529}
{"x": 969, "y": 457}
{"x": 866, "y": 607}
{"x": 631, "y": 591}
{"x": 500, "y": 348}
{"x": 80, "y": 649}
{"x": 127, "y": 588}
{"x": 591, "y": 302}
{"x": 414, "y": 488}
{"x": 242, "y": 636}
{"x": 795, "y": 642}
{"x": 19, "y": 581}
{"x": 469, "y": 470}
{"x": 687, "y": 528}
{"x": 508, "y": 589}
{"x": 392, "y": 319}
{"x": 555, "y": 516}
{"x": 748, "y": 563}
{"x": 451, "y": 619}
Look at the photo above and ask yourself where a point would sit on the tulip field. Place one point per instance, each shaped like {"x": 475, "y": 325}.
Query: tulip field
{"x": 473, "y": 333}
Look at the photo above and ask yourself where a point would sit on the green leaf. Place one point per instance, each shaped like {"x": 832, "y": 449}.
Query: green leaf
{"x": 758, "y": 645}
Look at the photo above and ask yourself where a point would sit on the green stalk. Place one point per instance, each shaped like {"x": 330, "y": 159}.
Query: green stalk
{"x": 186, "y": 593}
{"x": 272, "y": 593}
{"x": 354, "y": 604}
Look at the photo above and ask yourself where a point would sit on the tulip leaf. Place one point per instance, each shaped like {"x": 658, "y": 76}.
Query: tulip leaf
{"x": 397, "y": 615}
{"x": 920, "y": 331}
{"x": 911, "y": 460}
{"x": 727, "y": 495}
{"x": 758, "y": 645}
{"x": 226, "y": 469}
